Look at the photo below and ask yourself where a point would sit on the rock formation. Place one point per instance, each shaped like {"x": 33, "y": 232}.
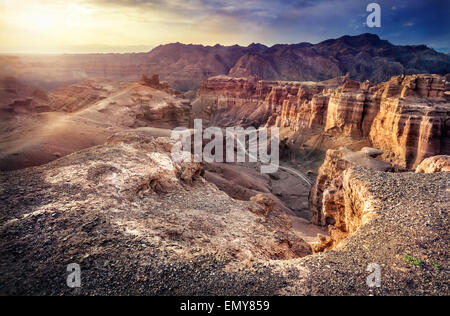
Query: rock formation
{"x": 17, "y": 98}
{"x": 394, "y": 218}
{"x": 327, "y": 196}
{"x": 85, "y": 115}
{"x": 407, "y": 117}
{"x": 154, "y": 83}
{"x": 434, "y": 164}
{"x": 76, "y": 97}
{"x": 227, "y": 101}
{"x": 413, "y": 120}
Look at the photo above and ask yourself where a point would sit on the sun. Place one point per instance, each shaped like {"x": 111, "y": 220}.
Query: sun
{"x": 36, "y": 19}
{"x": 41, "y": 20}
{"x": 47, "y": 18}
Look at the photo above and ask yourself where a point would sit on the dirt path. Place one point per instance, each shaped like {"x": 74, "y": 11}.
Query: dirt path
{"x": 297, "y": 173}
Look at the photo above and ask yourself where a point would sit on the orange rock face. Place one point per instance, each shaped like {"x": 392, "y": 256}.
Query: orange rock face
{"x": 305, "y": 109}
{"x": 406, "y": 117}
{"x": 434, "y": 164}
{"x": 327, "y": 199}
{"x": 413, "y": 121}
{"x": 227, "y": 101}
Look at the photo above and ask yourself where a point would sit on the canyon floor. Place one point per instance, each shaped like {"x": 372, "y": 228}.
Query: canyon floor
{"x": 87, "y": 177}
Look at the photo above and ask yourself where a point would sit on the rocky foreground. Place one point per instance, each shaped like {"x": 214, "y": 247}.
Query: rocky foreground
{"x": 138, "y": 223}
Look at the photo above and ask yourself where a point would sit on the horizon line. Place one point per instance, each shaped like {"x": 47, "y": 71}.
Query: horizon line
{"x": 118, "y": 51}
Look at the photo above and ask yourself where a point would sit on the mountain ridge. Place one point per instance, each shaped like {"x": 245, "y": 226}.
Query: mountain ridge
{"x": 185, "y": 66}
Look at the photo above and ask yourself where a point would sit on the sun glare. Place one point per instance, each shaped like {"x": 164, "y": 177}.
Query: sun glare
{"x": 40, "y": 20}
{"x": 47, "y": 18}
{"x": 35, "y": 18}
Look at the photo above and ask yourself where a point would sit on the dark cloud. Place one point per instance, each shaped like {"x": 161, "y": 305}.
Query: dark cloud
{"x": 403, "y": 22}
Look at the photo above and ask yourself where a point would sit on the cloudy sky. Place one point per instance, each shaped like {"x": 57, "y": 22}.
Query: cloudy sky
{"x": 48, "y": 26}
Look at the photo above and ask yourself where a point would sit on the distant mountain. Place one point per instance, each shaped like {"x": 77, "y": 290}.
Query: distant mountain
{"x": 364, "y": 57}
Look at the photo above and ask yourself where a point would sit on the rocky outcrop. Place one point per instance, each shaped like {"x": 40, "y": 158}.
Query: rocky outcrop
{"x": 327, "y": 196}
{"x": 346, "y": 107}
{"x": 249, "y": 101}
{"x": 153, "y": 82}
{"x": 76, "y": 97}
{"x": 407, "y": 117}
{"x": 434, "y": 164}
{"x": 17, "y": 98}
{"x": 146, "y": 103}
{"x": 304, "y": 110}
{"x": 334, "y": 201}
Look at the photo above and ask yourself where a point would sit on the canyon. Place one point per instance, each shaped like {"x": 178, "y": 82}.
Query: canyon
{"x": 407, "y": 117}
{"x": 87, "y": 175}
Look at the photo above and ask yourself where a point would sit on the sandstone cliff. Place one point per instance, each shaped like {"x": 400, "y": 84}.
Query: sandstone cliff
{"x": 413, "y": 121}
{"x": 327, "y": 196}
{"x": 399, "y": 221}
{"x": 407, "y": 117}
{"x": 227, "y": 101}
